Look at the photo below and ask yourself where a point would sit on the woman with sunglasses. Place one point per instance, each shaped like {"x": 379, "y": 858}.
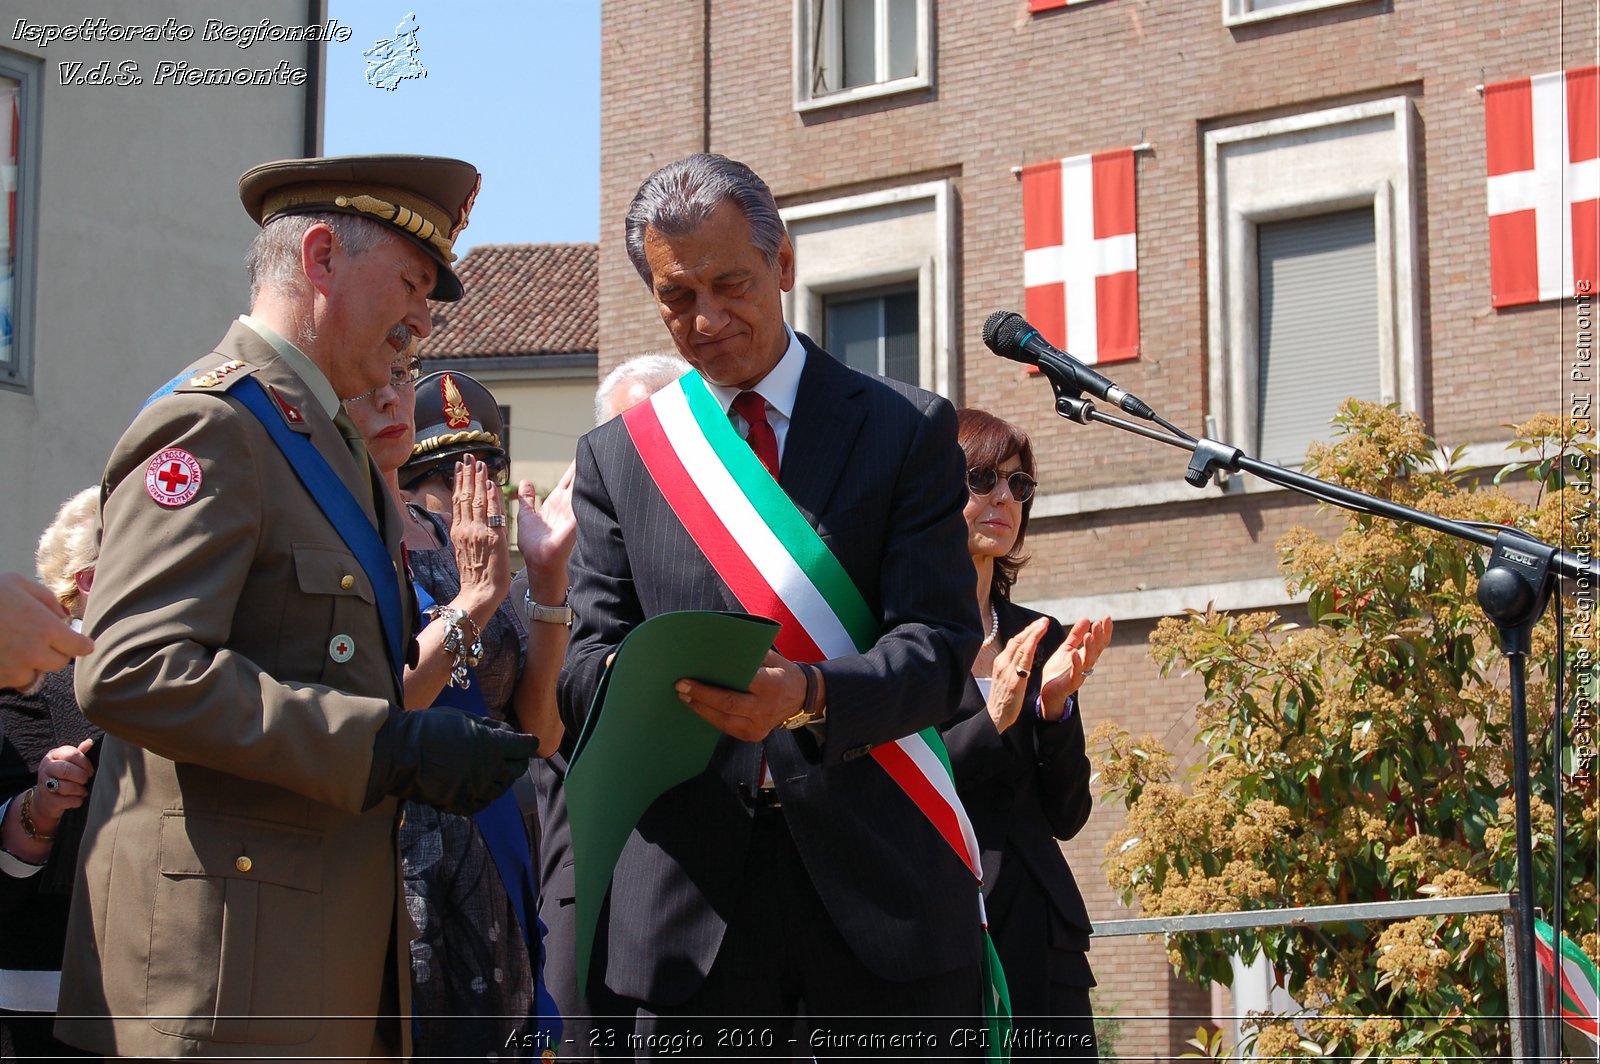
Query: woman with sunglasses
{"x": 1017, "y": 748}
{"x": 470, "y": 886}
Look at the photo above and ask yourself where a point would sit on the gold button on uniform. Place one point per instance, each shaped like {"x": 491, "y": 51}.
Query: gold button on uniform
{"x": 347, "y": 582}
{"x": 243, "y": 864}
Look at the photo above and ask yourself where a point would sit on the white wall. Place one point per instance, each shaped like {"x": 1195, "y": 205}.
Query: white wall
{"x": 141, "y": 238}
{"x": 547, "y": 417}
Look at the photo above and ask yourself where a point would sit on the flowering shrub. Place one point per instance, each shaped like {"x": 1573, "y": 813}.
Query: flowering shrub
{"x": 1368, "y": 757}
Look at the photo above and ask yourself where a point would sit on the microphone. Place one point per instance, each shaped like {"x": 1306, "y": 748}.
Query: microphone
{"x": 1009, "y": 335}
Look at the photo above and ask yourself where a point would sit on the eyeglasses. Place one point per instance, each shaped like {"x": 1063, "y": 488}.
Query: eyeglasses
{"x": 982, "y": 480}
{"x": 403, "y": 374}
{"x": 406, "y": 373}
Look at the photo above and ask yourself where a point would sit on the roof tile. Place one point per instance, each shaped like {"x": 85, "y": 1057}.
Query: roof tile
{"x": 521, "y": 299}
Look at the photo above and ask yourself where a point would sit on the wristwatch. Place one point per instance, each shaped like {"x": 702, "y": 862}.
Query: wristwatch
{"x": 808, "y": 714}
{"x": 538, "y": 611}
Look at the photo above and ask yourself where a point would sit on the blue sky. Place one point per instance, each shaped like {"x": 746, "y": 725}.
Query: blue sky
{"x": 513, "y": 88}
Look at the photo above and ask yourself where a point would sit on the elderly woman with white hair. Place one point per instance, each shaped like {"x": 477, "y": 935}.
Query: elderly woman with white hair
{"x": 46, "y": 767}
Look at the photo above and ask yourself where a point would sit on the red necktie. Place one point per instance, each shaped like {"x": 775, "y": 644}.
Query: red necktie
{"x": 764, "y": 442}
{"x": 761, "y": 438}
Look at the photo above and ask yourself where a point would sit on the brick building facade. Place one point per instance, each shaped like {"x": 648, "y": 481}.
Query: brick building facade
{"x": 924, "y": 168}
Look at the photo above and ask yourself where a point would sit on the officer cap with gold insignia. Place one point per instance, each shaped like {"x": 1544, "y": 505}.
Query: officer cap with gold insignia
{"x": 423, "y": 197}
{"x": 456, "y": 416}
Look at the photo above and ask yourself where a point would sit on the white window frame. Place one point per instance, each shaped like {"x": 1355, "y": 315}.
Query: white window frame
{"x": 805, "y": 101}
{"x": 1244, "y": 12}
{"x": 931, "y": 268}
{"x": 1384, "y": 181}
{"x": 27, "y": 71}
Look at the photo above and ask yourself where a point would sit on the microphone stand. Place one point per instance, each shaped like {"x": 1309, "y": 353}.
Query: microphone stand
{"x": 1513, "y": 592}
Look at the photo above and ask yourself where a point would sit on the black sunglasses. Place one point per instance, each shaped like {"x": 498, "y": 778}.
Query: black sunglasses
{"x": 982, "y": 480}
{"x": 499, "y": 466}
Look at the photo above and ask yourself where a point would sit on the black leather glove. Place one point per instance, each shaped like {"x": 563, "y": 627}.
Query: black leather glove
{"x": 445, "y": 758}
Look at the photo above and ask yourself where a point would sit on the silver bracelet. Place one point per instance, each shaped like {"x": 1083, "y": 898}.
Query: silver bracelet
{"x": 463, "y": 655}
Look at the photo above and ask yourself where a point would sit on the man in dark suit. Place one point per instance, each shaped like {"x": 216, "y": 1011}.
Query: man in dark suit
{"x": 629, "y": 383}
{"x": 794, "y": 876}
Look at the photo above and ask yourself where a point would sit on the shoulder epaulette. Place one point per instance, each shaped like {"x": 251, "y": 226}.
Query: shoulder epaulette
{"x": 218, "y": 378}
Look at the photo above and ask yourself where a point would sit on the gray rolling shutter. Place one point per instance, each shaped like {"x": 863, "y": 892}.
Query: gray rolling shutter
{"x": 1319, "y": 327}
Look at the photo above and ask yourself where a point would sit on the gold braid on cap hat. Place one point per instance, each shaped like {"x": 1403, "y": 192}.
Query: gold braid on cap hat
{"x": 450, "y": 439}
{"x": 403, "y": 217}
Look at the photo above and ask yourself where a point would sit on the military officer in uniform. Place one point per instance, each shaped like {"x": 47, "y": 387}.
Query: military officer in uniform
{"x": 240, "y": 892}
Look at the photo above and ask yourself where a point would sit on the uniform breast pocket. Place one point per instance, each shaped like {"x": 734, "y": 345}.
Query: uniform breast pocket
{"x": 236, "y": 932}
{"x": 331, "y": 621}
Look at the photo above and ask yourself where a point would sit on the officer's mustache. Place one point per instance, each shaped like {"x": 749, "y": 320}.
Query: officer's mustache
{"x": 401, "y": 337}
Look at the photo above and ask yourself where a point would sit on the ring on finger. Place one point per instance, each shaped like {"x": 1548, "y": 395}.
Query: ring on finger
{"x": 495, "y": 520}
{"x": 52, "y": 784}
{"x": 1021, "y": 671}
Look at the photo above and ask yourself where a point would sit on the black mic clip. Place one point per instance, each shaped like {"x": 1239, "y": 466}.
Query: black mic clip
{"x": 1074, "y": 407}
{"x": 1208, "y": 455}
{"x": 1070, "y": 402}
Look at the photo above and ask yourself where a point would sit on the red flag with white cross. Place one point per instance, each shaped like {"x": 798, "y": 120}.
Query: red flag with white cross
{"x": 1080, "y": 254}
{"x": 1542, "y": 139}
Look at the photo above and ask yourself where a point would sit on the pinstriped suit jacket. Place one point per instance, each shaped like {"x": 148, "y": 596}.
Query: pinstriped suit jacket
{"x": 874, "y": 466}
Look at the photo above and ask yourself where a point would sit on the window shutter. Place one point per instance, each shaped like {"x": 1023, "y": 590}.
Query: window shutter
{"x": 1319, "y": 327}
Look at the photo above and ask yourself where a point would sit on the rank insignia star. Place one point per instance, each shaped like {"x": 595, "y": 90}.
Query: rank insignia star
{"x": 290, "y": 414}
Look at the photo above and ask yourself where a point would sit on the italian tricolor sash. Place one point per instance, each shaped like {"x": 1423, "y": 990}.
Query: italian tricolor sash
{"x": 1579, "y": 982}
{"x": 777, "y": 566}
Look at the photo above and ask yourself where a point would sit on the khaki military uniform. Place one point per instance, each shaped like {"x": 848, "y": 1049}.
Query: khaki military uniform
{"x": 234, "y": 899}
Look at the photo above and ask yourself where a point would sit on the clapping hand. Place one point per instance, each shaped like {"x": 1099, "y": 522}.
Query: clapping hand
{"x": 547, "y": 531}
{"x": 1071, "y": 664}
{"x": 1008, "y": 680}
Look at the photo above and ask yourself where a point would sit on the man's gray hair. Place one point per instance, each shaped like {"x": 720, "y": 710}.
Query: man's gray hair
{"x": 274, "y": 258}
{"x": 654, "y": 371}
{"x": 679, "y": 197}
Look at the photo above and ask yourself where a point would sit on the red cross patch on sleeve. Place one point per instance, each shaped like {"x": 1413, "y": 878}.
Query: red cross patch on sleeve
{"x": 173, "y": 477}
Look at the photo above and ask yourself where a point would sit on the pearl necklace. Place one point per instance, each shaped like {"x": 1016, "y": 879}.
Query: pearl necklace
{"x": 994, "y": 627}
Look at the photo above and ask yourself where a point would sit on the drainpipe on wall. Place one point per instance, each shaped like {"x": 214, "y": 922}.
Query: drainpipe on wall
{"x": 316, "y": 15}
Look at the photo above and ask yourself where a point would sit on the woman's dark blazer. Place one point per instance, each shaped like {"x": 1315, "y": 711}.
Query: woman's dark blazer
{"x": 1024, "y": 790}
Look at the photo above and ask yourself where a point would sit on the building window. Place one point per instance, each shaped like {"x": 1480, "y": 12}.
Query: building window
{"x": 873, "y": 281}
{"x": 1319, "y": 326}
{"x": 874, "y": 332}
{"x": 1238, "y": 12}
{"x": 853, "y": 49}
{"x": 19, "y": 152}
{"x": 1312, "y": 272}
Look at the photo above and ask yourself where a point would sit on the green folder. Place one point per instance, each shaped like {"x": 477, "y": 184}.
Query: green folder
{"x": 639, "y": 740}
